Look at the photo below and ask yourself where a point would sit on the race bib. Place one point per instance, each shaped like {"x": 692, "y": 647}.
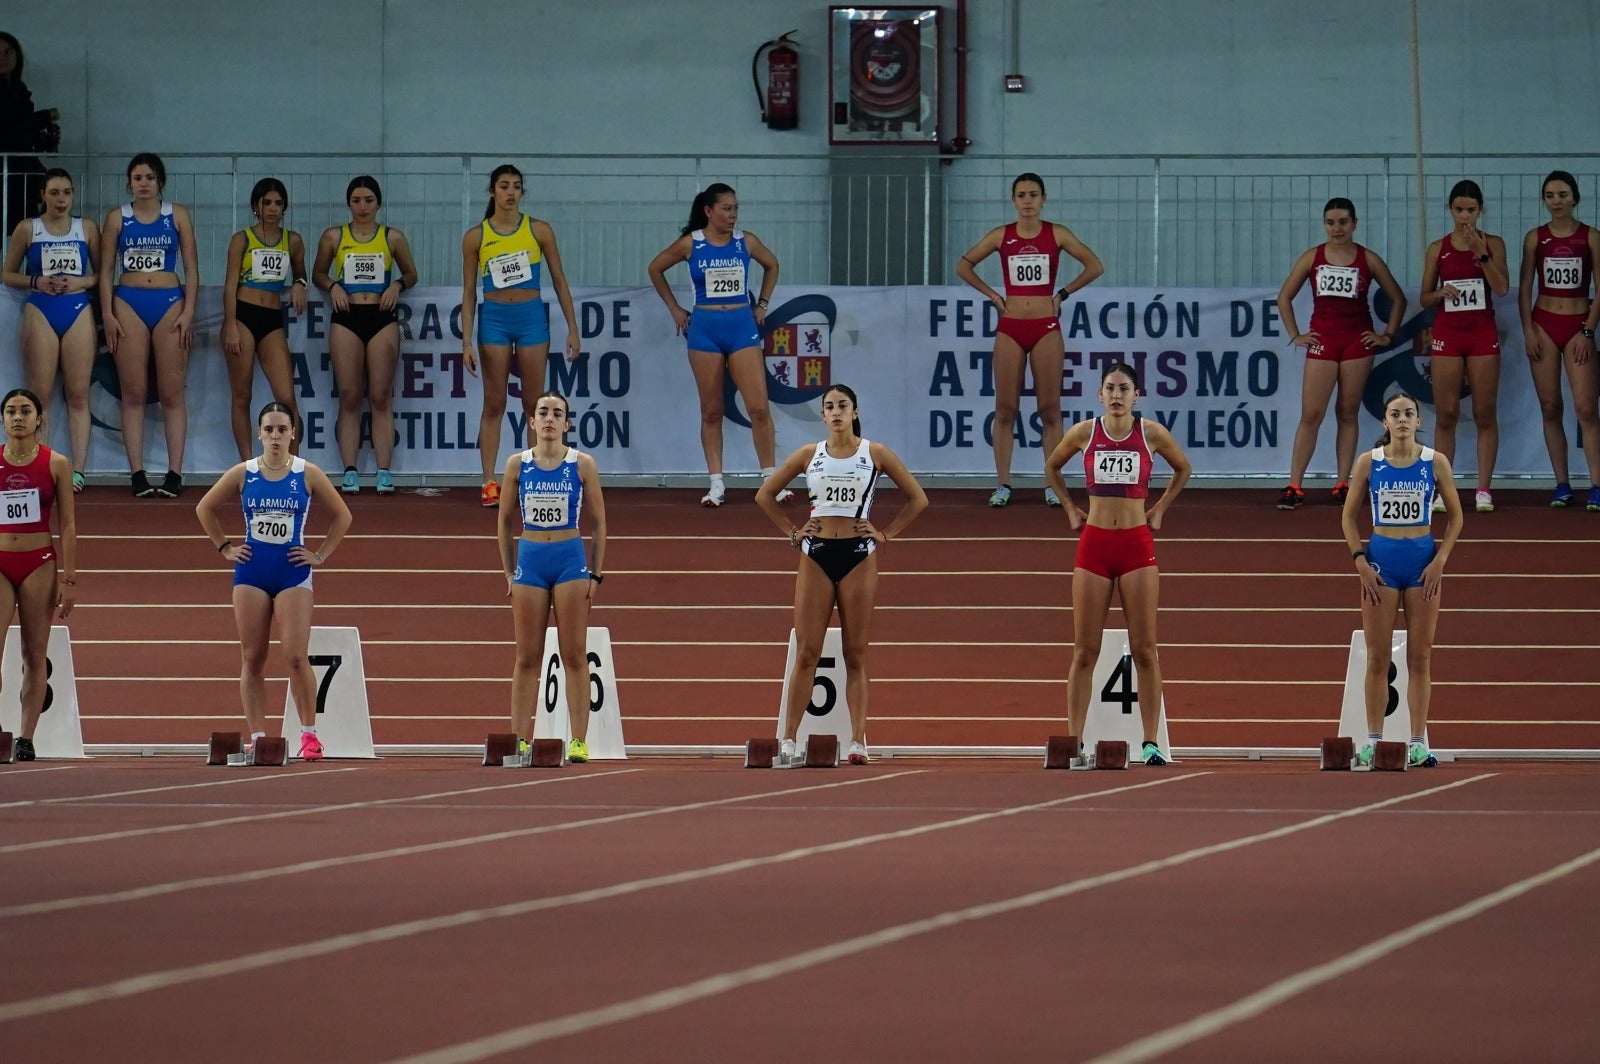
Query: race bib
{"x": 1401, "y": 506}
{"x": 144, "y": 260}
{"x": 545, "y": 509}
{"x": 1563, "y": 273}
{"x": 510, "y": 270}
{"x": 19, "y": 507}
{"x": 1473, "y": 295}
{"x": 1116, "y": 467}
{"x": 363, "y": 268}
{"x": 724, "y": 281}
{"x": 270, "y": 527}
{"x": 838, "y": 489}
{"x": 1340, "y": 282}
{"x": 61, "y": 258}
{"x": 268, "y": 264}
{"x": 1028, "y": 270}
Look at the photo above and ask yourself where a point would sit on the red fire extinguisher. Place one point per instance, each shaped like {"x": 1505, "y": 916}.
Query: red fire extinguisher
{"x": 780, "y": 107}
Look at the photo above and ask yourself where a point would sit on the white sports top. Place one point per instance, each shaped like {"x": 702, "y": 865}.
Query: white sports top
{"x": 841, "y": 487}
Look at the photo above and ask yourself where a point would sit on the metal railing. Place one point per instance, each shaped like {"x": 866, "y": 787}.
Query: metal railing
{"x": 1160, "y": 221}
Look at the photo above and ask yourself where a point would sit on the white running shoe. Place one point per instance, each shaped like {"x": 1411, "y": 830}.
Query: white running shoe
{"x": 1051, "y": 499}
{"x": 1484, "y": 501}
{"x": 1000, "y": 497}
{"x": 857, "y": 754}
{"x": 786, "y": 750}
{"x": 1438, "y": 504}
{"x": 784, "y": 496}
{"x": 714, "y": 494}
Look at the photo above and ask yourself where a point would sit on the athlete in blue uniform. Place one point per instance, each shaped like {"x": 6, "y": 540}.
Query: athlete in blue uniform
{"x": 145, "y": 308}
{"x": 55, "y": 257}
{"x": 840, "y": 567}
{"x": 542, "y": 492}
{"x": 724, "y": 331}
{"x": 273, "y": 566}
{"x": 1401, "y": 566}
{"x": 505, "y": 255}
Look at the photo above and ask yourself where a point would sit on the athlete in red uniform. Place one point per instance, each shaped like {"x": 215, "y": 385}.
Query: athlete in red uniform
{"x": 1340, "y": 343}
{"x": 1459, "y": 272}
{"x": 1030, "y": 327}
{"x": 1558, "y": 329}
{"x": 1116, "y": 547}
{"x": 33, "y": 481}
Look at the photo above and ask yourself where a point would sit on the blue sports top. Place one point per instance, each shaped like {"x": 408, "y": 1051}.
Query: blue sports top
{"x": 49, "y": 255}
{"x": 1402, "y": 496}
{"x": 550, "y": 498}
{"x": 275, "y": 510}
{"x": 148, "y": 247}
{"x": 721, "y": 275}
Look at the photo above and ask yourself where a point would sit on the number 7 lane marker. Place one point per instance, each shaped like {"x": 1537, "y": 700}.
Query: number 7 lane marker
{"x": 153, "y": 981}
{"x": 724, "y": 982}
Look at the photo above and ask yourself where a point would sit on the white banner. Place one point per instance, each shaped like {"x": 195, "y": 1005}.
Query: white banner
{"x": 1217, "y": 370}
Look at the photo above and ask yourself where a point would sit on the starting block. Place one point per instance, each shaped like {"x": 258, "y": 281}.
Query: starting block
{"x": 760, "y": 753}
{"x": 542, "y": 753}
{"x": 820, "y": 750}
{"x": 266, "y": 751}
{"x": 7, "y": 743}
{"x": 223, "y": 745}
{"x": 497, "y": 747}
{"x": 1111, "y": 753}
{"x": 1389, "y": 757}
{"x": 1338, "y": 754}
{"x": 1063, "y": 751}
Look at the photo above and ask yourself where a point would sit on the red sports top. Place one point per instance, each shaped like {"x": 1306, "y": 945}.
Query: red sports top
{"x": 1563, "y": 263}
{"x": 1029, "y": 262}
{"x": 1118, "y": 468}
{"x": 1474, "y": 308}
{"x": 27, "y": 492}
{"x": 1339, "y": 294}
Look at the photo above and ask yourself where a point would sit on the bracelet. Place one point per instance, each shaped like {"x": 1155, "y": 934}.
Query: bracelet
{"x": 1062, "y": 294}
{"x": 33, "y": 283}
{"x": 298, "y": 280}
{"x": 1357, "y": 554}
{"x": 762, "y": 303}
{"x": 69, "y": 583}
{"x": 597, "y": 578}
{"x": 794, "y": 537}
{"x": 225, "y": 545}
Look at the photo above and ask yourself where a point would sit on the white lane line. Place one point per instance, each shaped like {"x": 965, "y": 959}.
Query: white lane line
{"x": 518, "y": 1038}
{"x": 283, "y": 814}
{"x": 4, "y": 773}
{"x": 252, "y": 778}
{"x": 232, "y": 879}
{"x": 1268, "y": 997}
{"x": 152, "y": 981}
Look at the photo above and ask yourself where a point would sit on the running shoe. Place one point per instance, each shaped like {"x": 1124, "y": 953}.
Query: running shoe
{"x": 857, "y": 754}
{"x": 714, "y": 494}
{"x": 577, "y": 751}
{"x": 310, "y": 747}
{"x": 1418, "y": 756}
{"x": 1593, "y": 504}
{"x": 385, "y": 483}
{"x": 23, "y": 750}
{"x": 1364, "y": 755}
{"x": 142, "y": 488}
{"x": 784, "y": 496}
{"x": 77, "y": 482}
{"x": 1150, "y": 753}
{"x": 1562, "y": 497}
{"x": 1483, "y": 500}
{"x": 1000, "y": 497}
{"x": 1438, "y": 503}
{"x": 786, "y": 750}
{"x": 524, "y": 748}
{"x": 1340, "y": 491}
{"x": 351, "y": 484}
{"x": 1051, "y": 499}
{"x": 1291, "y": 499}
{"x": 489, "y": 497}
{"x": 171, "y": 485}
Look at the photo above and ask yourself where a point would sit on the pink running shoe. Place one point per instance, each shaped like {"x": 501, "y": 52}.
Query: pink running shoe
{"x": 310, "y": 747}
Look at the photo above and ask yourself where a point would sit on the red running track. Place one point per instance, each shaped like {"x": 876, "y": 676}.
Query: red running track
{"x": 423, "y": 909}
{"x": 971, "y": 639}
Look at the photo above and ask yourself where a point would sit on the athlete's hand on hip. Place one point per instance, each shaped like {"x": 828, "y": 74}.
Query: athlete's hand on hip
{"x": 1153, "y": 517}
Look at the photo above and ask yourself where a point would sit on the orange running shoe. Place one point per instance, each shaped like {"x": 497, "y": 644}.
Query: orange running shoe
{"x": 491, "y": 494}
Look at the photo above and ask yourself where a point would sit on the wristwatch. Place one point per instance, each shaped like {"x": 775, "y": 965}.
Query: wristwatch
{"x": 1588, "y": 333}
{"x": 1482, "y": 259}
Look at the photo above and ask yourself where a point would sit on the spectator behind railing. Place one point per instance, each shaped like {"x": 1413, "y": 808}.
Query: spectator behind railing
{"x": 23, "y": 131}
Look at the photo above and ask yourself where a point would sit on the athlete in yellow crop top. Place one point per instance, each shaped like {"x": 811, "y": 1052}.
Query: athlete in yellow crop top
{"x": 270, "y": 263}
{"x": 505, "y": 254}
{"x": 364, "y": 266}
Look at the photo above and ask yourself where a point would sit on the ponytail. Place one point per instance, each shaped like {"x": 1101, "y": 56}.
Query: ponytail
{"x": 500, "y": 171}
{"x": 704, "y": 201}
